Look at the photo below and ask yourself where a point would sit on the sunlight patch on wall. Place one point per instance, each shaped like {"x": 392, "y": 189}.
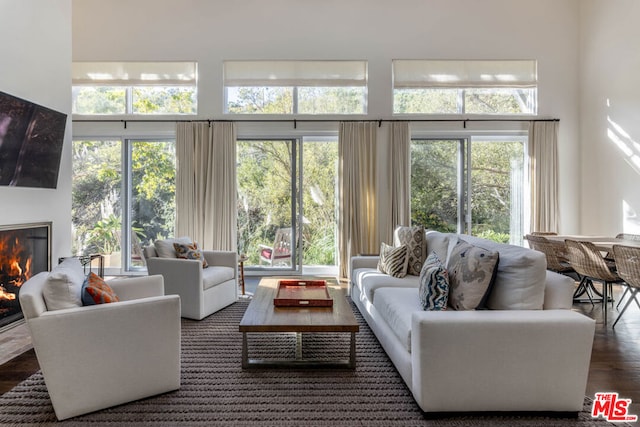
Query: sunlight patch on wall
{"x": 625, "y": 143}
{"x": 630, "y": 219}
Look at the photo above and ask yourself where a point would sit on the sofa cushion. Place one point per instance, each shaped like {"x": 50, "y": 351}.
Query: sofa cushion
{"x": 414, "y": 238}
{"x": 64, "y": 285}
{"x": 521, "y": 278}
{"x": 96, "y": 291}
{"x": 434, "y": 284}
{"x": 393, "y": 260}
{"x": 472, "y": 271}
{"x": 215, "y": 275}
{"x": 369, "y": 280}
{"x": 190, "y": 251}
{"x": 165, "y": 249}
{"x": 441, "y": 244}
{"x": 396, "y": 306}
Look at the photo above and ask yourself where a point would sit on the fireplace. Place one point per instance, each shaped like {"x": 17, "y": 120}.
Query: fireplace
{"x": 25, "y": 250}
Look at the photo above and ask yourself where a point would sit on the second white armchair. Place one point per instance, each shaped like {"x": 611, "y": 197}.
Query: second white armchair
{"x": 203, "y": 291}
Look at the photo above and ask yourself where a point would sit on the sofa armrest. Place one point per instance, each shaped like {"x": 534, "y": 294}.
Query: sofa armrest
{"x": 364, "y": 261}
{"x": 558, "y": 291}
{"x": 221, "y": 258}
{"x": 131, "y": 288}
{"x": 500, "y": 360}
{"x": 181, "y": 276}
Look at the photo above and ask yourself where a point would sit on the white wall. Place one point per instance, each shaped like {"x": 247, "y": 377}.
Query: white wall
{"x": 210, "y": 31}
{"x": 35, "y": 65}
{"x": 610, "y": 125}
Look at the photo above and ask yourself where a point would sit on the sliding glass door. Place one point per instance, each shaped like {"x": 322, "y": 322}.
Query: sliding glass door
{"x": 267, "y": 204}
{"x": 472, "y": 185}
{"x": 287, "y": 204}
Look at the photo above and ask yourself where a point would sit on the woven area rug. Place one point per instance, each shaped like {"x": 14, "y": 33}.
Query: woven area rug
{"x": 215, "y": 390}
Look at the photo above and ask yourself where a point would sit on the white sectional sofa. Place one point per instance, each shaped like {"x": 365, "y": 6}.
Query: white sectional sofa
{"x": 527, "y": 352}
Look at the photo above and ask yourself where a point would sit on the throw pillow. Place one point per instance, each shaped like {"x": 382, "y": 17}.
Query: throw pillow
{"x": 63, "y": 286}
{"x": 190, "y": 251}
{"x": 96, "y": 291}
{"x": 434, "y": 284}
{"x": 472, "y": 271}
{"x": 416, "y": 243}
{"x": 393, "y": 260}
{"x": 164, "y": 248}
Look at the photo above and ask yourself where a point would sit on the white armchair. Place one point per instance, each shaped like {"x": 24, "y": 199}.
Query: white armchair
{"x": 99, "y": 356}
{"x": 203, "y": 291}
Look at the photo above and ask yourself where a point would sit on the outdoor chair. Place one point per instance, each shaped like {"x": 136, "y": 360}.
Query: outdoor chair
{"x": 280, "y": 252}
{"x": 589, "y": 263}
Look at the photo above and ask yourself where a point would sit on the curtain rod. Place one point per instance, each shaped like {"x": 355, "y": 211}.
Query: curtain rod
{"x": 296, "y": 121}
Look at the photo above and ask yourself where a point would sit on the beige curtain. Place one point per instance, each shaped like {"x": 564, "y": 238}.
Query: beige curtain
{"x": 543, "y": 163}
{"x": 206, "y": 184}
{"x": 357, "y": 210}
{"x": 400, "y": 177}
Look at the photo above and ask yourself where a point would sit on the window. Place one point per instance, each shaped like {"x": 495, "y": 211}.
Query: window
{"x": 469, "y": 185}
{"x": 123, "y": 197}
{"x": 464, "y": 87}
{"x": 134, "y": 88}
{"x": 295, "y": 87}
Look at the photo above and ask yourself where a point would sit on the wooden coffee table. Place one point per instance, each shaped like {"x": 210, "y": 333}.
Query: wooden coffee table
{"x": 263, "y": 316}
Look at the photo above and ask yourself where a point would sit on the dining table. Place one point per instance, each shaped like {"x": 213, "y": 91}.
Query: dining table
{"x": 602, "y": 243}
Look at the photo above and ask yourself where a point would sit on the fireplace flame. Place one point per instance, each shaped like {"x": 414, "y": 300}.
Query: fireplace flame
{"x": 4, "y": 295}
{"x": 15, "y": 266}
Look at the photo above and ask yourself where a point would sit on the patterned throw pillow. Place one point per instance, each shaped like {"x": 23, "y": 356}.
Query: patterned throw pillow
{"x": 434, "y": 284}
{"x": 190, "y": 251}
{"x": 96, "y": 291}
{"x": 416, "y": 243}
{"x": 393, "y": 260}
{"x": 472, "y": 271}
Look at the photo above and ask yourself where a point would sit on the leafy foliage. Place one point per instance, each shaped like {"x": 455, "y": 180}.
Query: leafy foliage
{"x": 97, "y": 199}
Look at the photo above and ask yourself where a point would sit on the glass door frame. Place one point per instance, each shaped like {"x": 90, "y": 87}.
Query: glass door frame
{"x": 296, "y": 210}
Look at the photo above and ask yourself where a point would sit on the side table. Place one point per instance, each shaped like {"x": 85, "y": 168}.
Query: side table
{"x": 241, "y": 259}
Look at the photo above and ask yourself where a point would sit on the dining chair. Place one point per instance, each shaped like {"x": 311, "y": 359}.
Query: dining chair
{"x": 556, "y": 254}
{"x": 589, "y": 263}
{"x": 543, "y": 233}
{"x": 628, "y": 263}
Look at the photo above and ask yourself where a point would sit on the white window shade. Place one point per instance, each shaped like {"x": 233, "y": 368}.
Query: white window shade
{"x": 295, "y": 73}
{"x": 134, "y": 73}
{"x": 464, "y": 74}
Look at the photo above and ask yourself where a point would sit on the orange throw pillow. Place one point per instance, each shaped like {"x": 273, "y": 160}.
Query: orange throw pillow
{"x": 96, "y": 291}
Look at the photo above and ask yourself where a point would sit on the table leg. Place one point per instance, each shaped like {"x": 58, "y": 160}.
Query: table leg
{"x": 245, "y": 351}
{"x": 352, "y": 351}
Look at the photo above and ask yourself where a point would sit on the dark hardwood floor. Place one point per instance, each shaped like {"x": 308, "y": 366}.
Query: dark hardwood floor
{"x": 615, "y": 360}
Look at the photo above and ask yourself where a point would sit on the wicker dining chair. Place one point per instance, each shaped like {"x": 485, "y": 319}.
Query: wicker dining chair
{"x": 556, "y": 255}
{"x": 589, "y": 263}
{"x": 628, "y": 263}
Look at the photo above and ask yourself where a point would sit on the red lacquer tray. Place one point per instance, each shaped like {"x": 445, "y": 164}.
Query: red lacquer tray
{"x": 302, "y": 293}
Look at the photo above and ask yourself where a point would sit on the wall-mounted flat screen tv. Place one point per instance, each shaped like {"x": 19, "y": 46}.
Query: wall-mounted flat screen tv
{"x": 31, "y": 140}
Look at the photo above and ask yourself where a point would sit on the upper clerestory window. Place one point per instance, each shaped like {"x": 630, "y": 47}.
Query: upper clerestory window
{"x": 147, "y": 88}
{"x": 295, "y": 87}
{"x": 465, "y": 87}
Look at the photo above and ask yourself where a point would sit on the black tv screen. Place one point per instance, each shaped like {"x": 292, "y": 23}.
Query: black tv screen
{"x": 31, "y": 140}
